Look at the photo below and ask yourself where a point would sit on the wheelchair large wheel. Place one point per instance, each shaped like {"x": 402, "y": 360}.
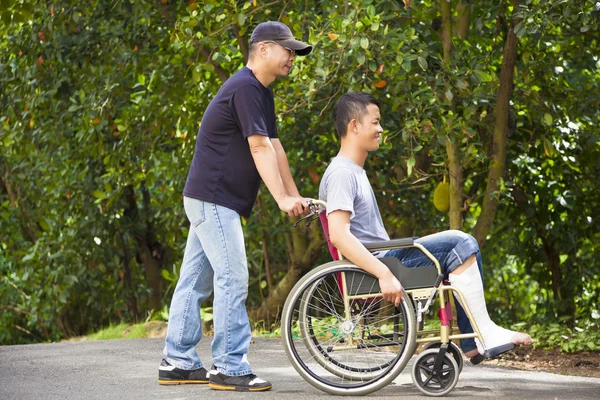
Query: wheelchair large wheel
{"x": 341, "y": 336}
{"x": 434, "y": 382}
{"x": 311, "y": 331}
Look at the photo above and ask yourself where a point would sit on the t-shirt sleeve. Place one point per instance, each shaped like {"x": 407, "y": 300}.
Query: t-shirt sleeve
{"x": 250, "y": 111}
{"x": 341, "y": 189}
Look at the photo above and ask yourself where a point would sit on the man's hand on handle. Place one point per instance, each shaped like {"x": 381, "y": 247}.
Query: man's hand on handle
{"x": 293, "y": 206}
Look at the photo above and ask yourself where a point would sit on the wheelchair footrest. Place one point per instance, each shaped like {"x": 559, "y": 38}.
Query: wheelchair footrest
{"x": 491, "y": 353}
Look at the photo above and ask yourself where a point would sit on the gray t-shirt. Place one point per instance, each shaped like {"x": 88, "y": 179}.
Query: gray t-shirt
{"x": 345, "y": 186}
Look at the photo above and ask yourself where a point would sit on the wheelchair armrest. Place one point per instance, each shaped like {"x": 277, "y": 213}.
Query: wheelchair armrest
{"x": 390, "y": 244}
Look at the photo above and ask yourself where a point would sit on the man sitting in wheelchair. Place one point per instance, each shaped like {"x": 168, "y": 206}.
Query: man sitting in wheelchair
{"x": 354, "y": 218}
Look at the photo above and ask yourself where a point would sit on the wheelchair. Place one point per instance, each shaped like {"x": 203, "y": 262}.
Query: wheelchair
{"x": 343, "y": 338}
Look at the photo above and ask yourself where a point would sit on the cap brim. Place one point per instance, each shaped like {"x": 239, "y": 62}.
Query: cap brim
{"x": 301, "y": 49}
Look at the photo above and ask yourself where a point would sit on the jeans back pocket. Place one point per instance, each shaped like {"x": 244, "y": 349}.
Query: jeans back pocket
{"x": 194, "y": 210}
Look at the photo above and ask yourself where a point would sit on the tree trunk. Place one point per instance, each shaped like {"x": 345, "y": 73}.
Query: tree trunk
{"x": 446, "y": 30}
{"x": 498, "y": 158}
{"x": 153, "y": 254}
{"x": 150, "y": 253}
{"x": 464, "y": 18}
{"x": 303, "y": 258}
{"x": 562, "y": 295}
{"x": 17, "y": 201}
{"x": 554, "y": 263}
{"x": 271, "y": 308}
{"x": 207, "y": 55}
{"x": 452, "y": 146}
{"x": 564, "y": 303}
{"x": 154, "y": 279}
{"x": 456, "y": 184}
{"x": 132, "y": 301}
{"x": 263, "y": 236}
{"x": 242, "y": 42}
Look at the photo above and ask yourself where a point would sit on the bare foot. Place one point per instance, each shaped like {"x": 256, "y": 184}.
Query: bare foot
{"x": 522, "y": 338}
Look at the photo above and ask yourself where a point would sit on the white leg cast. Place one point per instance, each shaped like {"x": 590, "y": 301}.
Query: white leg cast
{"x": 471, "y": 286}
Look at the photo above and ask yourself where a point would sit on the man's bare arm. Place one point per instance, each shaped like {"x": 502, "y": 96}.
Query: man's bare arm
{"x": 343, "y": 239}
{"x": 284, "y": 168}
{"x": 265, "y": 159}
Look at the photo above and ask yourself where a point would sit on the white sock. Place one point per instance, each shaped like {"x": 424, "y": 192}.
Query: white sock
{"x": 471, "y": 286}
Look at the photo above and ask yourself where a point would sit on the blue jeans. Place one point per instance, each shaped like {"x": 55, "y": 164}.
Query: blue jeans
{"x": 214, "y": 259}
{"x": 451, "y": 248}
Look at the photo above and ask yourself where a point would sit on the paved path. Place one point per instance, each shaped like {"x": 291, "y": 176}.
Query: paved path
{"x": 128, "y": 369}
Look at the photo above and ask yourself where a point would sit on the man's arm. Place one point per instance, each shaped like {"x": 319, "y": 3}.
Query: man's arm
{"x": 265, "y": 159}
{"x": 284, "y": 169}
{"x": 353, "y": 249}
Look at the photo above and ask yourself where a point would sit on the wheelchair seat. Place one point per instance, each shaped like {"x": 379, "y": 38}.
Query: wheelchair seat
{"x": 411, "y": 278}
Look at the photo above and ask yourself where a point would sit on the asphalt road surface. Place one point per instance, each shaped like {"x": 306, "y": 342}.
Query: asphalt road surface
{"x": 128, "y": 369}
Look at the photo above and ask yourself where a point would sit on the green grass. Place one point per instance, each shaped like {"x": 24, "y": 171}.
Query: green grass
{"x": 547, "y": 336}
{"x": 121, "y": 331}
{"x": 150, "y": 329}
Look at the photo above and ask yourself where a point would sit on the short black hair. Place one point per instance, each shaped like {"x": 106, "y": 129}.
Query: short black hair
{"x": 352, "y": 105}
{"x": 252, "y": 49}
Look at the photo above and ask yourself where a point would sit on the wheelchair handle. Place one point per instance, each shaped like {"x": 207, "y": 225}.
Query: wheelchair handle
{"x": 313, "y": 206}
{"x": 317, "y": 203}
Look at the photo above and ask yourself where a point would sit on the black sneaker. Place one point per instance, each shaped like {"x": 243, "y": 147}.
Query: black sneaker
{"x": 171, "y": 375}
{"x": 244, "y": 383}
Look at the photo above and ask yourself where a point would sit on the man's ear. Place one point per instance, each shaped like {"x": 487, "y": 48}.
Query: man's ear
{"x": 352, "y": 125}
{"x": 262, "y": 48}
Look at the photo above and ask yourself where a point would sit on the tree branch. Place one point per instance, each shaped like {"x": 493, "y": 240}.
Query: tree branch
{"x": 207, "y": 55}
{"x": 464, "y": 19}
{"x": 452, "y": 147}
{"x": 264, "y": 245}
{"x": 283, "y": 10}
{"x": 254, "y": 11}
{"x": 17, "y": 202}
{"x": 242, "y": 42}
{"x": 498, "y": 159}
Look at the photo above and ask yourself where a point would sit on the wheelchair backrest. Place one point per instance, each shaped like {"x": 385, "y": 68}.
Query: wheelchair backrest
{"x": 325, "y": 225}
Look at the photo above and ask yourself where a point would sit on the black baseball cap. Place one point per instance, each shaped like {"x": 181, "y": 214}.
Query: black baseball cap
{"x": 279, "y": 33}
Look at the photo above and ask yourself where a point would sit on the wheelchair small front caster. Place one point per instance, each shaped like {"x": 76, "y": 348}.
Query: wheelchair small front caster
{"x": 452, "y": 348}
{"x": 434, "y": 381}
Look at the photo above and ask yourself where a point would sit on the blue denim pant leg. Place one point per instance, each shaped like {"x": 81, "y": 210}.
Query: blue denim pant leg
{"x": 222, "y": 238}
{"x": 194, "y": 286}
{"x": 452, "y": 248}
{"x": 214, "y": 257}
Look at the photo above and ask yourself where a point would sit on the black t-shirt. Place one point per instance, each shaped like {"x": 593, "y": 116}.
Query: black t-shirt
{"x": 223, "y": 170}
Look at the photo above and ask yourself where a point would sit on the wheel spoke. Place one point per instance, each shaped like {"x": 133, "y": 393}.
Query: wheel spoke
{"x": 447, "y": 368}
{"x": 428, "y": 380}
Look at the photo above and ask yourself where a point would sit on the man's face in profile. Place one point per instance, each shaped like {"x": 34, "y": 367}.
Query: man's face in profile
{"x": 369, "y": 129}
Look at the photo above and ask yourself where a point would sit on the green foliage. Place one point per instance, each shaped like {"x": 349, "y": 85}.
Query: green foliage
{"x": 120, "y": 331}
{"x": 159, "y": 315}
{"x": 568, "y": 340}
{"x": 101, "y": 100}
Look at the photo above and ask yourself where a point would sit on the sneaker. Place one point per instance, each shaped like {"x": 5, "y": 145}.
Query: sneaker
{"x": 244, "y": 383}
{"x": 170, "y": 375}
